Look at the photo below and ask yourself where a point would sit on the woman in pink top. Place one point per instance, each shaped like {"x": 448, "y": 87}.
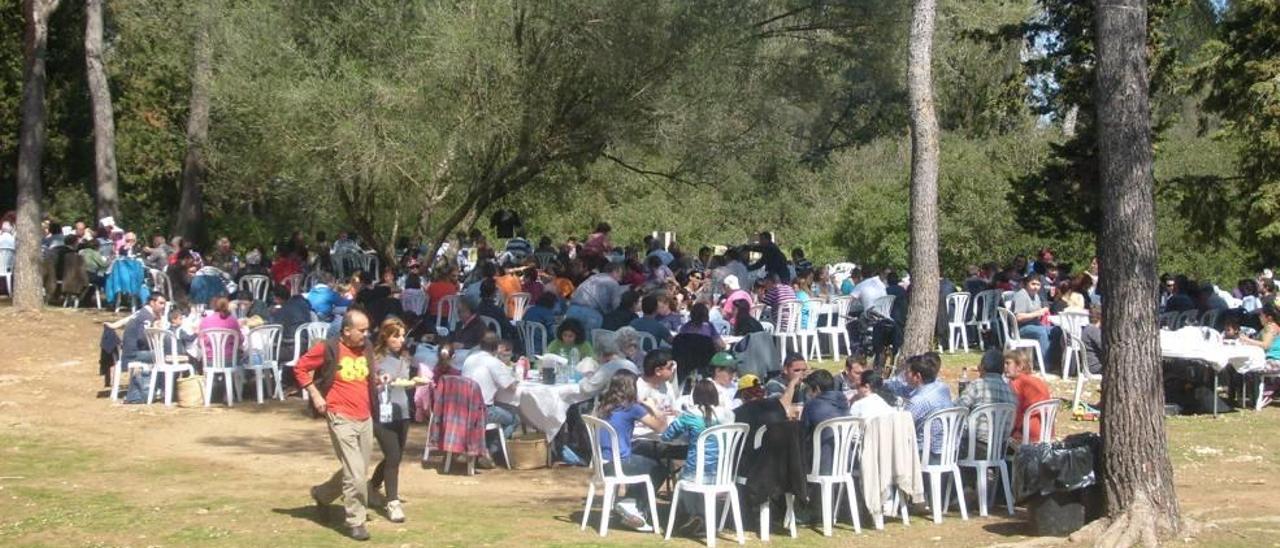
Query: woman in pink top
{"x": 220, "y": 317}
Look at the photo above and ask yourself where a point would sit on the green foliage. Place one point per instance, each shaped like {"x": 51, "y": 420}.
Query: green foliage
{"x": 1242, "y": 79}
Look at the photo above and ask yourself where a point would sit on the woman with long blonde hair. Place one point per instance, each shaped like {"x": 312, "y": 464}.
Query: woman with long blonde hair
{"x": 392, "y": 362}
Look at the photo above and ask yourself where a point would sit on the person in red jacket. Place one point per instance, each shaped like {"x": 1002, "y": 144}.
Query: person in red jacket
{"x": 336, "y": 376}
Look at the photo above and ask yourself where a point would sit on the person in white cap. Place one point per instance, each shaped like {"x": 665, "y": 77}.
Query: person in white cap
{"x": 734, "y": 288}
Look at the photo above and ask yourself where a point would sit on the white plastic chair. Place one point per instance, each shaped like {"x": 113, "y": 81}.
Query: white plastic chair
{"x": 787, "y": 327}
{"x": 883, "y": 306}
{"x": 998, "y": 420}
{"x": 1014, "y": 341}
{"x": 517, "y": 304}
{"x": 491, "y": 324}
{"x": 414, "y": 300}
{"x": 257, "y": 285}
{"x": 764, "y": 520}
{"x": 449, "y": 321}
{"x": 315, "y": 332}
{"x": 648, "y": 343}
{"x": 1189, "y": 317}
{"x": 1211, "y": 318}
{"x": 611, "y": 481}
{"x": 847, "y": 439}
{"x": 729, "y": 439}
{"x": 213, "y": 349}
{"x": 982, "y": 311}
{"x": 534, "y": 335}
{"x": 1048, "y": 412}
{"x": 1072, "y": 324}
{"x": 265, "y": 341}
{"x": 951, "y": 422}
{"x": 6, "y": 270}
{"x": 957, "y": 329}
{"x": 837, "y": 329}
{"x": 294, "y": 282}
{"x": 164, "y": 347}
{"x": 544, "y": 259}
{"x": 598, "y": 335}
{"x": 807, "y": 332}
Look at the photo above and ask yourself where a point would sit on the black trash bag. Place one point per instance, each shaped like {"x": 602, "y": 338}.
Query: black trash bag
{"x": 1062, "y": 466}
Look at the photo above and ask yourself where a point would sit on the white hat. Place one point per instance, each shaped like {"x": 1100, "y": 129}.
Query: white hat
{"x": 107, "y": 221}
{"x": 1267, "y": 274}
{"x": 731, "y": 282}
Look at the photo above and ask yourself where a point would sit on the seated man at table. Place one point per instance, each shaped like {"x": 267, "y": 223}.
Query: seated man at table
{"x": 925, "y": 394}
{"x": 652, "y": 305}
{"x": 988, "y": 388}
{"x": 655, "y": 384}
{"x": 851, "y": 376}
{"x": 825, "y": 402}
{"x": 484, "y": 367}
{"x": 724, "y": 373}
{"x": 624, "y": 314}
{"x": 794, "y": 369}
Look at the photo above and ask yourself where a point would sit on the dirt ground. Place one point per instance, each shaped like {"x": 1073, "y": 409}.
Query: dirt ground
{"x": 76, "y": 469}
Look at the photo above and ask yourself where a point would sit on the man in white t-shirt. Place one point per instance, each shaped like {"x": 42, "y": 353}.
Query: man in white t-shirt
{"x": 484, "y": 367}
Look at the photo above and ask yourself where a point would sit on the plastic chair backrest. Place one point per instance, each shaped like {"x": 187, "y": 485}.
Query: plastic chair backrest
{"x": 266, "y": 338}
{"x": 1048, "y": 411}
{"x": 1008, "y": 327}
{"x": 164, "y": 345}
{"x": 1006, "y": 298}
{"x": 1167, "y": 319}
{"x": 1072, "y": 323}
{"x": 757, "y": 310}
{"x": 218, "y": 342}
{"x": 847, "y": 437}
{"x": 787, "y": 319}
{"x": 491, "y": 324}
{"x": 957, "y": 303}
{"x": 294, "y": 283}
{"x": 758, "y": 442}
{"x": 534, "y": 335}
{"x": 452, "y": 320}
{"x": 984, "y": 307}
{"x": 950, "y": 420}
{"x": 313, "y": 331}
{"x": 1210, "y": 318}
{"x": 544, "y": 259}
{"x": 1189, "y": 317}
{"x": 414, "y": 300}
{"x": 883, "y": 306}
{"x": 998, "y": 418}
{"x": 598, "y": 335}
{"x": 310, "y": 281}
{"x": 767, "y": 326}
{"x": 839, "y": 309}
{"x": 729, "y": 439}
{"x": 594, "y": 427}
{"x": 519, "y": 302}
{"x": 257, "y": 285}
{"x": 648, "y": 342}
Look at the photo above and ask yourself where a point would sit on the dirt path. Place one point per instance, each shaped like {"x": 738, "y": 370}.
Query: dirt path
{"x": 237, "y": 476}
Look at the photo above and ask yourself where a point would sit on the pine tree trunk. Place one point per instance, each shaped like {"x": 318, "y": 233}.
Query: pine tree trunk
{"x": 922, "y": 308}
{"x": 1138, "y": 477}
{"x": 190, "y": 223}
{"x": 104, "y": 127}
{"x": 27, "y": 280}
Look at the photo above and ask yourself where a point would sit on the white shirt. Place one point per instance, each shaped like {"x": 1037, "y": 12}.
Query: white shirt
{"x": 870, "y": 407}
{"x": 660, "y": 394}
{"x": 868, "y": 290}
{"x": 727, "y": 394}
{"x": 489, "y": 372}
{"x": 7, "y": 241}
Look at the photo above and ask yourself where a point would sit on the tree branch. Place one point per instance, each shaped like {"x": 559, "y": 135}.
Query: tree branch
{"x": 651, "y": 173}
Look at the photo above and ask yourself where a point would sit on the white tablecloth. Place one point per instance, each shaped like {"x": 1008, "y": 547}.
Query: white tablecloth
{"x": 1189, "y": 343}
{"x": 542, "y": 406}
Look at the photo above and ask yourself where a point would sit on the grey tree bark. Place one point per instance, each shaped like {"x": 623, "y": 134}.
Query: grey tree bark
{"x": 27, "y": 283}
{"x": 922, "y": 308}
{"x": 104, "y": 126}
{"x": 190, "y": 222}
{"x": 1138, "y": 477}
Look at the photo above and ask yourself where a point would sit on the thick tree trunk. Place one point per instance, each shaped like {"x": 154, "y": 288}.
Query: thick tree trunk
{"x": 1138, "y": 477}
{"x": 190, "y": 224}
{"x": 104, "y": 126}
{"x": 922, "y": 309}
{"x": 27, "y": 283}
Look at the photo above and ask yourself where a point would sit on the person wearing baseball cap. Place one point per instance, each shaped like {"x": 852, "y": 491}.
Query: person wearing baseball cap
{"x": 724, "y": 372}
{"x": 735, "y": 293}
{"x": 750, "y": 388}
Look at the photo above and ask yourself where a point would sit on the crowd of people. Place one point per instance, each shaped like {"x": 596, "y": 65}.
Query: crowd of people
{"x": 379, "y": 316}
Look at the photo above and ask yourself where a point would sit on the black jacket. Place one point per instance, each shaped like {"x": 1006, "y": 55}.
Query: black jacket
{"x": 779, "y": 466}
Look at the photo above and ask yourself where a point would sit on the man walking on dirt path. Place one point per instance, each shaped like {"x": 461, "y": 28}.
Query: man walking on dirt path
{"x": 336, "y": 376}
